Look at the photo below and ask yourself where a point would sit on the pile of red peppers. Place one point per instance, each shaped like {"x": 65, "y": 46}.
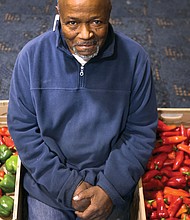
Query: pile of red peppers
{"x": 166, "y": 182}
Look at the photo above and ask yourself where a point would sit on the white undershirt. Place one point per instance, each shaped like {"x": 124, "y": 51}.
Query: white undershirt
{"x": 80, "y": 60}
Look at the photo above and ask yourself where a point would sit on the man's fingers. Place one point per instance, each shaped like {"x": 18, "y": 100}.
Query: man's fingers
{"x": 82, "y": 195}
{"x": 91, "y": 213}
{"x": 100, "y": 204}
{"x": 81, "y": 205}
{"x": 88, "y": 214}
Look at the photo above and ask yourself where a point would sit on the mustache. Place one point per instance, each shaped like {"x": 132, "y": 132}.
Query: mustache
{"x": 86, "y": 43}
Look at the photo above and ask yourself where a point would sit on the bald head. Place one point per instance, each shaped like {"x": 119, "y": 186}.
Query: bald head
{"x": 105, "y": 4}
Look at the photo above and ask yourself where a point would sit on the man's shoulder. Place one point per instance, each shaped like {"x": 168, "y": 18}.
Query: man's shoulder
{"x": 40, "y": 40}
{"x": 37, "y": 45}
{"x": 125, "y": 42}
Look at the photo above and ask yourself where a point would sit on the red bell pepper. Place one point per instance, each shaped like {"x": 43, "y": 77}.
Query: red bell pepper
{"x": 154, "y": 216}
{"x": 150, "y": 164}
{"x": 186, "y": 162}
{"x": 164, "y": 127}
{"x": 153, "y": 184}
{"x": 188, "y": 132}
{"x": 4, "y": 131}
{"x": 172, "y": 155}
{"x": 164, "y": 148}
{"x": 170, "y": 133}
{"x": 8, "y": 142}
{"x": 186, "y": 201}
{"x": 168, "y": 162}
{"x": 178, "y": 160}
{"x": 150, "y": 195}
{"x": 161, "y": 207}
{"x": 183, "y": 130}
{"x": 167, "y": 171}
{"x": 170, "y": 198}
{"x": 184, "y": 169}
{"x": 149, "y": 175}
{"x": 175, "y": 173}
{"x": 184, "y": 147}
{"x": 183, "y": 133}
{"x": 164, "y": 179}
{"x": 173, "y": 139}
{"x": 178, "y": 182}
{"x": 175, "y": 206}
{"x": 1, "y": 140}
{"x": 156, "y": 162}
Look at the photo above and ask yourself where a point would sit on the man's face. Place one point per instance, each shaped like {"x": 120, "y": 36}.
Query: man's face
{"x": 84, "y": 25}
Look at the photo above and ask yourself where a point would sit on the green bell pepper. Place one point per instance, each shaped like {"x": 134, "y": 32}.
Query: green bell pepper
{"x": 6, "y": 206}
{"x": 11, "y": 164}
{"x": 5, "y": 153}
{"x": 7, "y": 184}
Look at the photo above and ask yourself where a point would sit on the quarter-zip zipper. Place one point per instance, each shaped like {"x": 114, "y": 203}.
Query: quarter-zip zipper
{"x": 82, "y": 70}
{"x": 81, "y": 76}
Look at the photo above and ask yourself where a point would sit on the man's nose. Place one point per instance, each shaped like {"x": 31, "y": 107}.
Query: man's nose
{"x": 85, "y": 31}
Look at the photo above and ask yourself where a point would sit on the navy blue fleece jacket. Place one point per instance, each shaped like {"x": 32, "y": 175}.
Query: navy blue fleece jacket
{"x": 98, "y": 127}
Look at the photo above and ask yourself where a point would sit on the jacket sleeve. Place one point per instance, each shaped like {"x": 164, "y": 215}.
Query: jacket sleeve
{"x": 127, "y": 161}
{"x": 50, "y": 173}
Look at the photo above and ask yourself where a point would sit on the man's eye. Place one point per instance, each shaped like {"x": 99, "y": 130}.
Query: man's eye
{"x": 97, "y": 22}
{"x": 72, "y": 23}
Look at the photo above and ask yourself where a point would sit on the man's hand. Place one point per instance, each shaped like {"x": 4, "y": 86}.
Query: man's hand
{"x": 100, "y": 204}
{"x": 82, "y": 204}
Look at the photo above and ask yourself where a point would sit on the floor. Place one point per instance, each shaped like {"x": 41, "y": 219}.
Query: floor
{"x": 162, "y": 27}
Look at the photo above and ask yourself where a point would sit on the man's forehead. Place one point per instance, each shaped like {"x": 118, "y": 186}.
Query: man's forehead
{"x": 73, "y": 4}
{"x": 108, "y": 1}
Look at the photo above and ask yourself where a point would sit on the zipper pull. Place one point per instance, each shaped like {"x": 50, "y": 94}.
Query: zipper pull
{"x": 82, "y": 70}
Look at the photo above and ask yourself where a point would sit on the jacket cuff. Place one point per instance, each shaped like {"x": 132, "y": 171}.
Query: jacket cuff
{"x": 110, "y": 190}
{"x": 66, "y": 193}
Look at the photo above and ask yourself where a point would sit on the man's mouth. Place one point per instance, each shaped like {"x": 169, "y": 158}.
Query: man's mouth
{"x": 86, "y": 49}
{"x": 86, "y": 44}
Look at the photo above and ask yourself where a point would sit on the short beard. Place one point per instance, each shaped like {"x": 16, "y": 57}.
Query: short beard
{"x": 87, "y": 57}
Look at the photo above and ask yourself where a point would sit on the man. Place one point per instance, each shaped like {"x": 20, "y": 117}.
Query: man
{"x": 82, "y": 113}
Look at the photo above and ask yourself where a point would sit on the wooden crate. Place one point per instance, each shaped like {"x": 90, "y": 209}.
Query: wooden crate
{"x": 175, "y": 116}
{"x": 17, "y": 195}
{"x": 3, "y": 112}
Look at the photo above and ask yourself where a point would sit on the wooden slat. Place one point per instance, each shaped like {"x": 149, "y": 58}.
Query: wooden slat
{"x": 3, "y": 107}
{"x": 141, "y": 211}
{"x": 175, "y": 115}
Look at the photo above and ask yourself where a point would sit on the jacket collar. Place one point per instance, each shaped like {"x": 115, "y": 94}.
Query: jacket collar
{"x": 106, "y": 51}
